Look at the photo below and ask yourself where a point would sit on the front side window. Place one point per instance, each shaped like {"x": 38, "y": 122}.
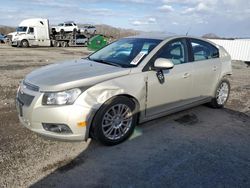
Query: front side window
{"x": 31, "y": 30}
{"x": 127, "y": 52}
{"x": 175, "y": 51}
{"x": 203, "y": 50}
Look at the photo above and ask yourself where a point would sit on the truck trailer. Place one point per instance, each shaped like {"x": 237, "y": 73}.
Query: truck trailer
{"x": 37, "y": 32}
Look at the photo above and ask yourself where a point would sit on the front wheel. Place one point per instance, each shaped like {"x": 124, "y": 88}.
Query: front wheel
{"x": 115, "y": 121}
{"x": 24, "y": 44}
{"x": 221, "y": 94}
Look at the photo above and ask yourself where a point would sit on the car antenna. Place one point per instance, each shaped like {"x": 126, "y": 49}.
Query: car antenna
{"x": 188, "y": 31}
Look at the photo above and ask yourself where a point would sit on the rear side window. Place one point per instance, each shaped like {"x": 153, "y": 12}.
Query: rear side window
{"x": 203, "y": 50}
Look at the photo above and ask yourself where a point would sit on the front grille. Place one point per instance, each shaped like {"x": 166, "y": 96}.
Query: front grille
{"x": 24, "y": 98}
{"x": 30, "y": 86}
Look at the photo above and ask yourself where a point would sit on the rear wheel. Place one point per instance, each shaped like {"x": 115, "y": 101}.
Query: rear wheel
{"x": 62, "y": 31}
{"x": 53, "y": 43}
{"x": 24, "y": 44}
{"x": 115, "y": 121}
{"x": 64, "y": 44}
{"x": 58, "y": 44}
{"x": 221, "y": 94}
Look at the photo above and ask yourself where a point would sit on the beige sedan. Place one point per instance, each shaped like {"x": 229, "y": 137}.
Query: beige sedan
{"x": 130, "y": 81}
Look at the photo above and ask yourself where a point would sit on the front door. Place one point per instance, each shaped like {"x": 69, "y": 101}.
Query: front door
{"x": 31, "y": 36}
{"x": 176, "y": 88}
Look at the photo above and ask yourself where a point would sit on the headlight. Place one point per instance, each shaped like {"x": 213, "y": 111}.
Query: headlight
{"x": 61, "y": 98}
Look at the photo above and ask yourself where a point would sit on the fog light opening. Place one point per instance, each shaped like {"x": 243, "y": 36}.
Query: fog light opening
{"x": 57, "y": 128}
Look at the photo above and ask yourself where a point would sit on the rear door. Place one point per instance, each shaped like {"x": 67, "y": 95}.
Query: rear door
{"x": 175, "y": 91}
{"x": 207, "y": 68}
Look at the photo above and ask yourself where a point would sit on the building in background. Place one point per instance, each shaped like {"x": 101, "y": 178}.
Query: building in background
{"x": 239, "y": 49}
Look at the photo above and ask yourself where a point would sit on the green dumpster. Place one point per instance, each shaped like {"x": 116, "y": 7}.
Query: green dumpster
{"x": 97, "y": 42}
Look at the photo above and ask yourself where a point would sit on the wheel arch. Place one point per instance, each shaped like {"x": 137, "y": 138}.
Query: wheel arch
{"x": 132, "y": 98}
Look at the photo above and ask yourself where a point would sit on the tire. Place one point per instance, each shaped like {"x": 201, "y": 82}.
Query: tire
{"x": 58, "y": 44}
{"x": 54, "y": 43}
{"x": 53, "y": 31}
{"x": 110, "y": 128}
{"x": 64, "y": 44}
{"x": 219, "y": 100}
{"x": 24, "y": 44}
{"x": 62, "y": 32}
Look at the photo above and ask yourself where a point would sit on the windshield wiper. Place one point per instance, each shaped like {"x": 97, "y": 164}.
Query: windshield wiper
{"x": 105, "y": 62}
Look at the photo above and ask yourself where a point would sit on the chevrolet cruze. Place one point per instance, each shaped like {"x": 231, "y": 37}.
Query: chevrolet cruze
{"x": 128, "y": 82}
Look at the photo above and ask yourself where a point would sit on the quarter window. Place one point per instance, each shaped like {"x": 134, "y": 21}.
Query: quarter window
{"x": 203, "y": 50}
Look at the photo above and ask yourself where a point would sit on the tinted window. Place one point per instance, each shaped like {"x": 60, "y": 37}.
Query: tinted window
{"x": 31, "y": 30}
{"x": 203, "y": 50}
{"x": 175, "y": 51}
{"x": 80, "y": 37}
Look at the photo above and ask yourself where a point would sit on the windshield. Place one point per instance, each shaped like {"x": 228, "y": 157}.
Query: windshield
{"x": 21, "y": 29}
{"x": 61, "y": 24}
{"x": 127, "y": 52}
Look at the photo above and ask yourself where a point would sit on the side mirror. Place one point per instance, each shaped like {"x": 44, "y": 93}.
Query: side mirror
{"x": 162, "y": 63}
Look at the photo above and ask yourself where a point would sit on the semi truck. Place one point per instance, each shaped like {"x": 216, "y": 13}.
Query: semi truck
{"x": 37, "y": 32}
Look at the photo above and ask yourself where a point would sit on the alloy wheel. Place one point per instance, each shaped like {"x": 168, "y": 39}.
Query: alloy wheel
{"x": 117, "y": 121}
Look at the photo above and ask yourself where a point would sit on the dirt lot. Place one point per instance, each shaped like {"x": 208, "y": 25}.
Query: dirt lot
{"x": 200, "y": 147}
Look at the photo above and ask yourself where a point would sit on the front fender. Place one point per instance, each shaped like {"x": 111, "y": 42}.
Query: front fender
{"x": 133, "y": 85}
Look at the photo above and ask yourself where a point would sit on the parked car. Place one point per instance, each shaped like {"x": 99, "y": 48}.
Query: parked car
{"x": 89, "y": 29}
{"x": 130, "y": 81}
{"x": 81, "y": 39}
{"x": 3, "y": 38}
{"x": 65, "y": 27}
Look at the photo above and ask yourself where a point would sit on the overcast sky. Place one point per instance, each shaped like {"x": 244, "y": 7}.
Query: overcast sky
{"x": 228, "y": 18}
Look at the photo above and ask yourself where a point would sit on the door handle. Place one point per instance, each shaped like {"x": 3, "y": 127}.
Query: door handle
{"x": 215, "y": 68}
{"x": 186, "y": 75}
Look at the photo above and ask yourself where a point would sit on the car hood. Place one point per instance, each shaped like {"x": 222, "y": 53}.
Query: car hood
{"x": 78, "y": 73}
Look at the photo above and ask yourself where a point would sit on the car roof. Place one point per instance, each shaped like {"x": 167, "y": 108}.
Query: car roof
{"x": 69, "y": 22}
{"x": 162, "y": 36}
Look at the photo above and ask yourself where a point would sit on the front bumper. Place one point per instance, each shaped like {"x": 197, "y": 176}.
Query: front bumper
{"x": 33, "y": 115}
{"x": 14, "y": 43}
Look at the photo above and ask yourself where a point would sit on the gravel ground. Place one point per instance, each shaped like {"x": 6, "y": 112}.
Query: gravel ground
{"x": 187, "y": 149}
